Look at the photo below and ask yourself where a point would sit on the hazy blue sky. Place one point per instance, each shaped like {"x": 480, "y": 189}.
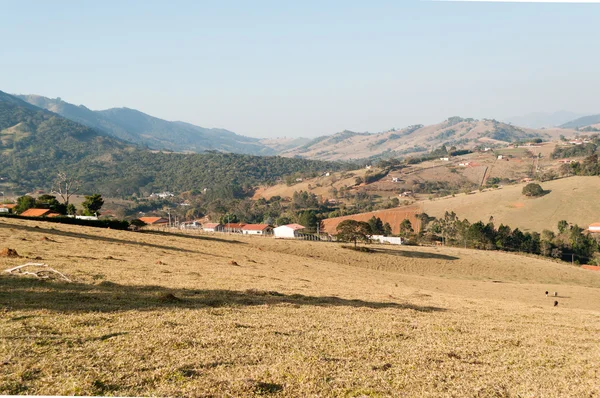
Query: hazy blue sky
{"x": 278, "y": 68}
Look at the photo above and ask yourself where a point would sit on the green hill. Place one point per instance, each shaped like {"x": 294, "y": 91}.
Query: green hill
{"x": 35, "y": 144}
{"x": 142, "y": 129}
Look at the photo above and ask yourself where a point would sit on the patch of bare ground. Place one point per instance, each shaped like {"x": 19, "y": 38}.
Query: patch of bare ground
{"x": 172, "y": 317}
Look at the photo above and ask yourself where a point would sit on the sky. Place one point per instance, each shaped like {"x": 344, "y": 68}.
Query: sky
{"x": 304, "y": 69}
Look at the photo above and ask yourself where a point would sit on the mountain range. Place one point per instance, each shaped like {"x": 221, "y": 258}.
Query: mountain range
{"x": 142, "y": 129}
{"x": 147, "y": 131}
{"x": 462, "y": 133}
{"x": 36, "y": 144}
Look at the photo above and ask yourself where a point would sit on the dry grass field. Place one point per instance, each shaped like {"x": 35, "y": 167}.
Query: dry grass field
{"x": 150, "y": 314}
{"x": 572, "y": 199}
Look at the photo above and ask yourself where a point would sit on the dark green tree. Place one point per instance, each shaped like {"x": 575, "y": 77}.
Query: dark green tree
{"x": 92, "y": 204}
{"x": 406, "y": 228}
{"x": 533, "y": 190}
{"x": 353, "y": 231}
{"x": 308, "y": 218}
{"x": 24, "y": 203}
{"x": 387, "y": 229}
{"x": 376, "y": 225}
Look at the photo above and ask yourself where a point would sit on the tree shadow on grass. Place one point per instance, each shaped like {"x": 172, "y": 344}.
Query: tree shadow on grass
{"x": 81, "y": 235}
{"x": 415, "y": 254}
{"x": 23, "y": 293}
{"x": 197, "y": 237}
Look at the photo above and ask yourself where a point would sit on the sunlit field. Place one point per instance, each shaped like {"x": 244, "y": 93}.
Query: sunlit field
{"x": 151, "y": 314}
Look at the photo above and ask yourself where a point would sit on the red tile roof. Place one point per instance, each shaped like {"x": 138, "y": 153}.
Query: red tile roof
{"x": 210, "y": 225}
{"x": 36, "y": 212}
{"x": 8, "y": 205}
{"x": 295, "y": 227}
{"x": 234, "y": 225}
{"x": 154, "y": 220}
{"x": 255, "y": 227}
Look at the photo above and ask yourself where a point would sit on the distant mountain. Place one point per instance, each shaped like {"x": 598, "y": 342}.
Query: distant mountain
{"x": 35, "y": 144}
{"x": 142, "y": 129}
{"x": 463, "y": 133}
{"x": 582, "y": 122}
{"x": 539, "y": 120}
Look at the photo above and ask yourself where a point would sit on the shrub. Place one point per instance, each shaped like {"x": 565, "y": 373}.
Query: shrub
{"x": 533, "y": 190}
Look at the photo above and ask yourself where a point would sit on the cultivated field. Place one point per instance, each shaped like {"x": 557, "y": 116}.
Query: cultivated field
{"x": 196, "y": 315}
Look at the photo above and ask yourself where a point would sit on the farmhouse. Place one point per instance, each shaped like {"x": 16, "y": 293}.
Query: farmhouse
{"x": 233, "y": 227}
{"x": 595, "y": 227}
{"x": 257, "y": 229}
{"x": 39, "y": 213}
{"x": 288, "y": 231}
{"x": 7, "y": 208}
{"x": 154, "y": 220}
{"x": 212, "y": 227}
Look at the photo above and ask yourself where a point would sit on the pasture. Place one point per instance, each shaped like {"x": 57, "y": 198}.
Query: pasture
{"x": 150, "y": 314}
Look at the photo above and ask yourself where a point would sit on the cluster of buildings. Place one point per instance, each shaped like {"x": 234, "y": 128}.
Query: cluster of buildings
{"x": 283, "y": 231}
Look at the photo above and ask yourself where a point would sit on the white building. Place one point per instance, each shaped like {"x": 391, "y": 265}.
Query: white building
{"x": 594, "y": 227}
{"x": 257, "y": 229}
{"x": 288, "y": 231}
{"x": 212, "y": 227}
{"x": 444, "y": 159}
{"x": 394, "y": 240}
{"x": 163, "y": 195}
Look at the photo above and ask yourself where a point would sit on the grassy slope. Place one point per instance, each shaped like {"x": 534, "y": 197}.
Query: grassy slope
{"x": 408, "y": 321}
{"x": 572, "y": 199}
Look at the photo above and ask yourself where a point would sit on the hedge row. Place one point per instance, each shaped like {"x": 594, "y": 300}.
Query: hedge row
{"x": 112, "y": 224}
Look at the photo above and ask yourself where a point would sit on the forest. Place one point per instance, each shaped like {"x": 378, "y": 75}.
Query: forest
{"x": 36, "y": 144}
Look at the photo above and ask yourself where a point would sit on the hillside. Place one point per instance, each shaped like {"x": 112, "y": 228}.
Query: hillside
{"x": 419, "y": 139}
{"x": 572, "y": 199}
{"x": 35, "y": 144}
{"x": 582, "y": 122}
{"x": 142, "y": 129}
{"x": 165, "y": 315}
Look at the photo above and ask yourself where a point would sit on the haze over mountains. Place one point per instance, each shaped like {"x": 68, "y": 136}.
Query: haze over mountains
{"x": 154, "y": 133}
{"x": 538, "y": 120}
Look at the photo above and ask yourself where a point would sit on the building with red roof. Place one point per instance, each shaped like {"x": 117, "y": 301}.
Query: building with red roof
{"x": 39, "y": 213}
{"x": 257, "y": 229}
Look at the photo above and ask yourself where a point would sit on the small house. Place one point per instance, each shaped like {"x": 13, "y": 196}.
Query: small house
{"x": 7, "y": 208}
{"x": 288, "y": 231}
{"x": 444, "y": 159}
{"x": 212, "y": 227}
{"x": 257, "y": 229}
{"x": 500, "y": 157}
{"x": 233, "y": 227}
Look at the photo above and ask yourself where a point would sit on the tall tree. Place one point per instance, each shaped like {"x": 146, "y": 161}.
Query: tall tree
{"x": 352, "y": 231}
{"x": 92, "y": 204}
{"x": 65, "y": 187}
